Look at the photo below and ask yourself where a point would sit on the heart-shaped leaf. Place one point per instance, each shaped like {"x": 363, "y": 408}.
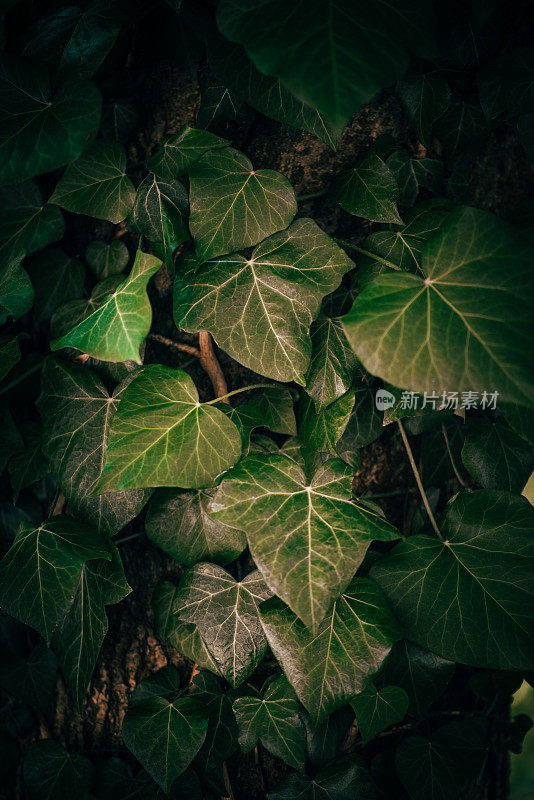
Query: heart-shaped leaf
{"x": 306, "y": 536}
{"x": 329, "y": 667}
{"x": 26, "y": 224}
{"x": 160, "y": 213}
{"x": 496, "y": 457}
{"x": 425, "y": 98}
{"x": 377, "y": 710}
{"x": 369, "y": 190}
{"x": 16, "y": 290}
{"x": 56, "y": 279}
{"x": 182, "y": 151}
{"x": 106, "y": 259}
{"x": 162, "y": 436}
{"x": 50, "y": 773}
{"x": 333, "y": 365}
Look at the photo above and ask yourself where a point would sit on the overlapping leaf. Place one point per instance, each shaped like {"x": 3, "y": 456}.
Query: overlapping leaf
{"x": 26, "y": 224}
{"x": 496, "y": 457}
{"x": 320, "y": 431}
{"x": 306, "y": 536}
{"x": 106, "y": 259}
{"x": 160, "y": 214}
{"x": 329, "y": 667}
{"x": 376, "y": 710}
{"x": 333, "y": 365}
{"x": 56, "y": 278}
{"x": 162, "y": 436}
{"x": 182, "y": 151}
{"x": 16, "y": 291}
{"x": 221, "y": 739}
{"x": 259, "y": 310}
{"x": 369, "y": 190}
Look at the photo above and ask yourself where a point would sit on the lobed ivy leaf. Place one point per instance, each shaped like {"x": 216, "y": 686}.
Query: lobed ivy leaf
{"x": 428, "y": 333}
{"x": 160, "y": 213}
{"x": 79, "y": 637}
{"x": 273, "y": 716}
{"x": 469, "y": 597}
{"x": 495, "y": 456}
{"x": 41, "y": 570}
{"x": 369, "y": 190}
{"x": 50, "y": 773}
{"x": 42, "y": 129}
{"x": 96, "y": 184}
{"x": 377, "y": 709}
{"x": 271, "y": 408}
{"x": 165, "y": 735}
{"x": 115, "y": 329}
{"x": 76, "y": 409}
{"x": 56, "y": 278}
{"x": 342, "y": 781}
{"x": 306, "y": 535}
{"x": 162, "y": 436}
{"x": 106, "y": 259}
{"x": 259, "y": 310}
{"x": 180, "y": 524}
{"x": 329, "y": 667}
{"x": 320, "y": 431}
{"x": 225, "y": 613}
{"x": 234, "y": 206}
{"x": 26, "y": 224}
{"x": 414, "y": 174}
{"x": 16, "y": 290}
{"x": 425, "y": 98}
{"x": 333, "y": 364}
{"x": 181, "y": 152}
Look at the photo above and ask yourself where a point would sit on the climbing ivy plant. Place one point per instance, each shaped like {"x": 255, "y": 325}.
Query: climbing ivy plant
{"x": 319, "y": 631}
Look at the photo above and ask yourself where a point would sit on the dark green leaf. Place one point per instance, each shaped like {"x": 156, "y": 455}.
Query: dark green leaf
{"x": 377, "y": 709}
{"x": 9, "y": 354}
{"x": 337, "y": 782}
{"x": 461, "y": 127}
{"x": 56, "y": 278}
{"x": 369, "y": 190}
{"x": 26, "y": 225}
{"x": 107, "y": 259}
{"x": 50, "y": 773}
{"x": 16, "y": 291}
{"x": 495, "y": 456}
{"x": 425, "y": 98}
{"x": 29, "y": 464}
{"x": 179, "y": 153}
{"x": 221, "y": 739}
{"x": 30, "y": 679}
{"x": 333, "y": 365}
{"x": 363, "y": 427}
{"x": 160, "y": 213}
{"x": 413, "y": 174}
{"x": 320, "y": 431}
{"x": 119, "y": 120}
{"x": 324, "y": 741}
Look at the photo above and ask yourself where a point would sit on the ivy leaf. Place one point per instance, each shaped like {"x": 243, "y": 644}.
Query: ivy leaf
{"x": 332, "y": 56}
{"x": 165, "y": 736}
{"x": 181, "y": 152}
{"x": 425, "y": 98}
{"x": 369, "y": 190}
{"x": 78, "y": 639}
{"x": 29, "y": 464}
{"x": 273, "y": 717}
{"x": 234, "y": 206}
{"x": 462, "y": 125}
{"x": 467, "y": 598}
{"x": 9, "y": 354}
{"x": 320, "y": 431}
{"x": 329, "y": 667}
{"x": 231, "y": 65}
{"x": 364, "y": 426}
{"x": 221, "y": 739}
{"x": 119, "y": 120}
{"x": 180, "y": 524}
{"x": 423, "y": 675}
{"x": 76, "y": 409}
{"x": 60, "y": 123}
{"x": 306, "y": 536}
{"x": 496, "y": 457}
{"x": 26, "y": 225}
{"x": 377, "y": 710}
{"x": 115, "y": 329}
{"x": 30, "y": 679}
{"x": 160, "y": 213}
{"x": 41, "y": 570}
{"x": 271, "y": 408}
{"x": 106, "y": 259}
{"x": 440, "y": 766}
{"x": 324, "y": 741}
{"x": 16, "y": 290}
{"x": 429, "y": 333}
{"x": 333, "y": 364}
{"x": 225, "y": 613}
{"x": 337, "y": 782}
{"x": 50, "y": 773}
{"x": 56, "y": 278}
{"x": 259, "y": 310}
{"x": 96, "y": 184}
{"x": 162, "y": 436}
{"x": 413, "y": 174}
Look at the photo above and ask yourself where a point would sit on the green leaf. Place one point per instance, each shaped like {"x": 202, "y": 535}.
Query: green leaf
{"x": 336, "y": 782}
{"x": 495, "y": 456}
{"x": 462, "y": 126}
{"x": 76, "y": 409}
{"x": 333, "y": 365}
{"x": 332, "y": 56}
{"x": 221, "y": 739}
{"x": 329, "y": 667}
{"x": 306, "y": 536}
{"x": 425, "y": 98}
{"x": 273, "y": 716}
{"x": 160, "y": 213}
{"x": 428, "y": 334}
{"x": 377, "y": 710}
{"x": 369, "y": 190}
{"x": 16, "y": 290}
{"x": 181, "y": 152}
{"x": 50, "y": 773}
{"x": 40, "y": 572}
{"x": 115, "y": 330}
{"x": 9, "y": 354}
{"x": 320, "y": 431}
{"x": 78, "y": 639}
{"x": 468, "y": 598}
{"x": 440, "y": 766}
{"x": 165, "y": 736}
{"x": 162, "y": 436}
{"x": 231, "y": 65}
{"x": 180, "y": 524}
{"x": 41, "y": 129}
{"x": 30, "y": 679}
{"x": 29, "y": 464}
{"x": 26, "y": 225}
{"x": 259, "y": 310}
{"x": 364, "y": 426}
{"x": 106, "y": 259}
{"x": 423, "y": 675}
{"x": 271, "y": 408}
{"x": 56, "y": 278}
{"x": 413, "y": 174}
{"x": 96, "y": 184}
{"x": 234, "y": 206}
{"x": 225, "y": 613}
{"x": 10, "y": 438}
{"x": 324, "y": 741}
{"x": 119, "y": 120}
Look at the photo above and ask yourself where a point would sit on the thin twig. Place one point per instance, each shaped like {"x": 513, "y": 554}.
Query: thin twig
{"x": 301, "y": 198}
{"x": 184, "y": 348}
{"x": 227, "y": 784}
{"x": 449, "y": 451}
{"x": 238, "y": 391}
{"x": 363, "y": 252}
{"x": 210, "y": 365}
{"x": 257, "y": 760}
{"x": 418, "y": 478}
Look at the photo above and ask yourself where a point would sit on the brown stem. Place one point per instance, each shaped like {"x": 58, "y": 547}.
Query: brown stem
{"x": 185, "y": 348}
{"x": 59, "y": 505}
{"x": 418, "y": 479}
{"x": 209, "y": 363}
{"x": 227, "y": 784}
